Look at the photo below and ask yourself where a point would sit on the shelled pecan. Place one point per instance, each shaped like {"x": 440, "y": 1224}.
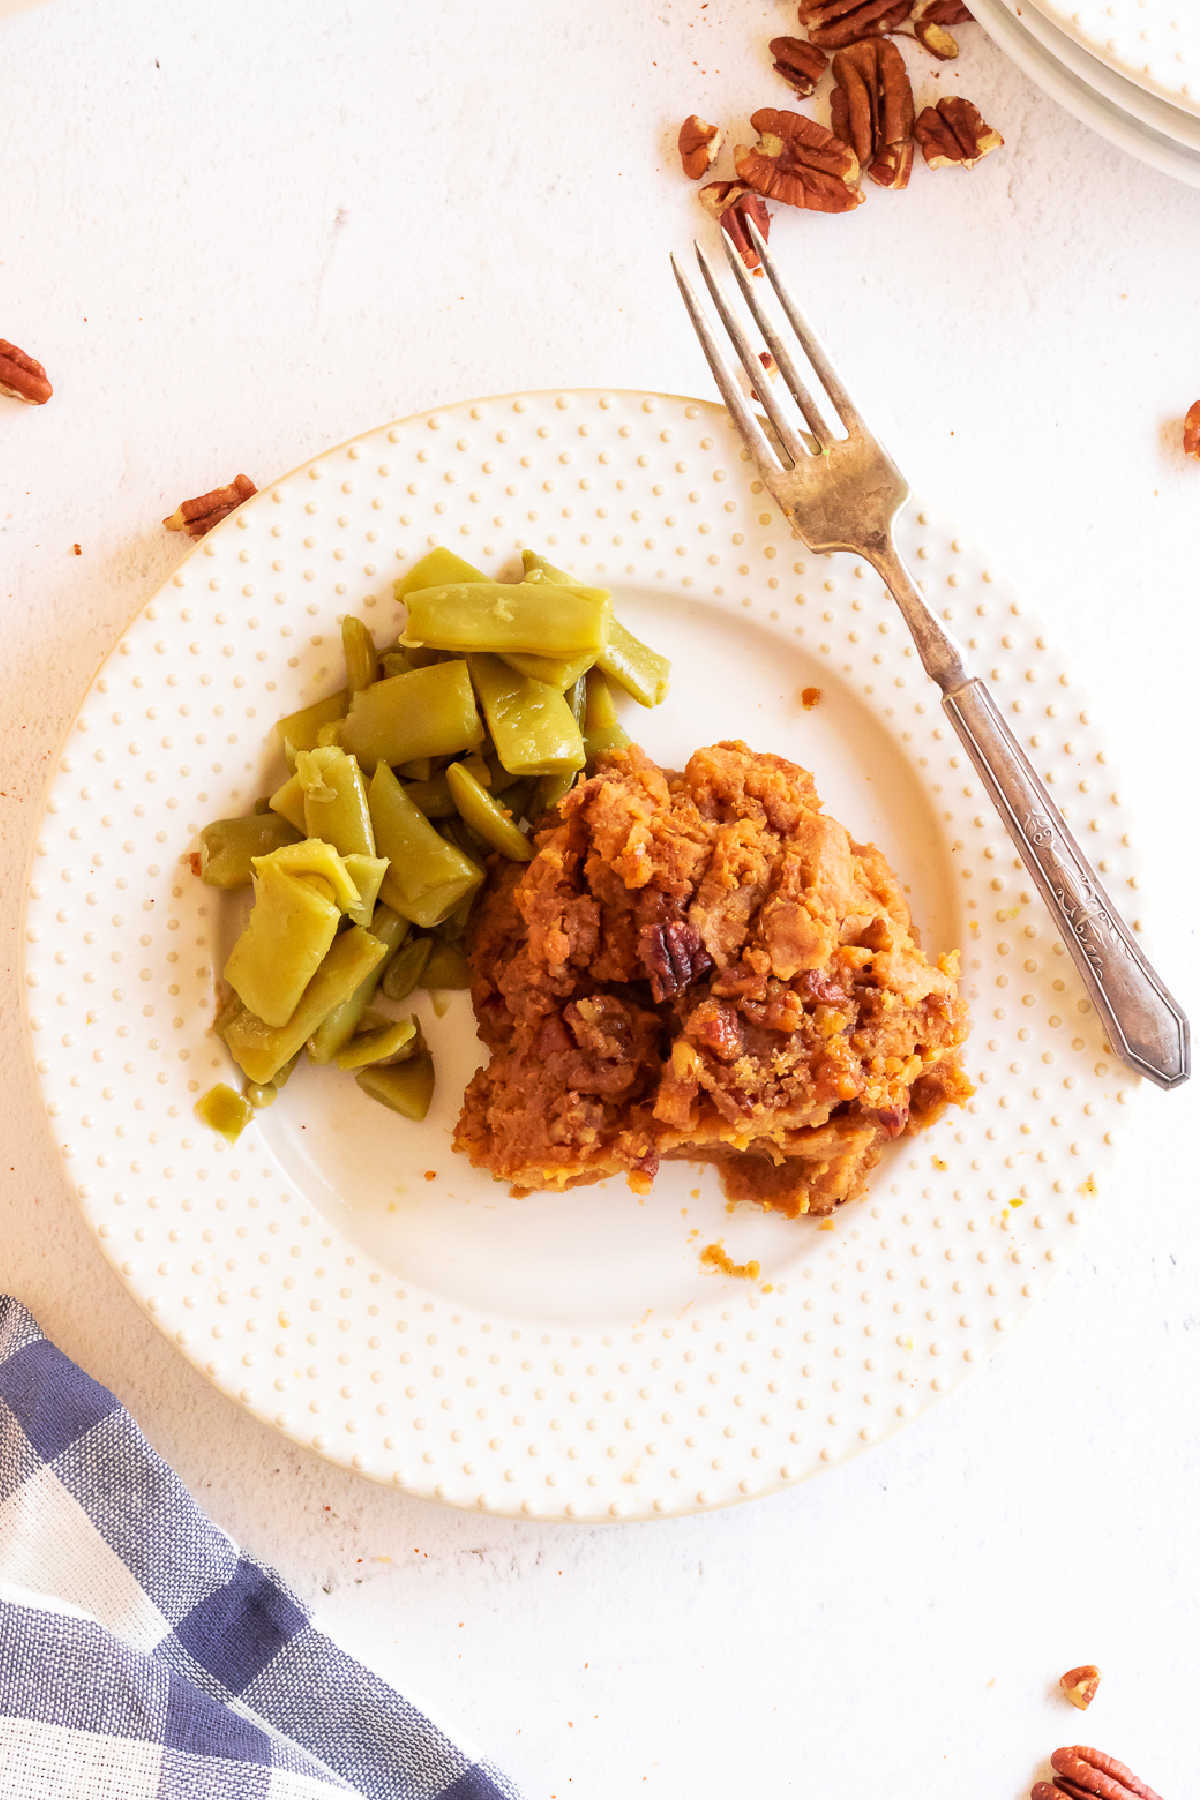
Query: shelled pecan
{"x": 732, "y": 202}
{"x": 699, "y": 145}
{"x": 206, "y": 510}
{"x": 953, "y": 133}
{"x": 22, "y": 377}
{"x": 835, "y": 23}
{"x": 1080, "y": 1685}
{"x": 799, "y": 162}
{"x": 1084, "y": 1774}
{"x": 800, "y": 62}
{"x": 1191, "y": 430}
{"x": 871, "y": 109}
{"x": 928, "y": 22}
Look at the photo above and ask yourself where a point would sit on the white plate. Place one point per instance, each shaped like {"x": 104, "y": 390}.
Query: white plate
{"x": 1155, "y": 43}
{"x": 1092, "y": 93}
{"x": 558, "y": 1356}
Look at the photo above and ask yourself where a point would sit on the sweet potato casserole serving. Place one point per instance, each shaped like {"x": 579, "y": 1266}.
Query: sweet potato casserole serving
{"x": 703, "y": 965}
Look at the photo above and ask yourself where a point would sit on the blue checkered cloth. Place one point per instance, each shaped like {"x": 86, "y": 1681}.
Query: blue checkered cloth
{"x": 143, "y": 1656}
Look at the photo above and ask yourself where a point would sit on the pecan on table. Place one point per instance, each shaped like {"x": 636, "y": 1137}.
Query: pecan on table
{"x": 872, "y": 109}
{"x": 835, "y": 23}
{"x": 1080, "y": 1685}
{"x": 1083, "y": 1774}
{"x": 928, "y": 23}
{"x": 206, "y": 510}
{"x": 799, "y": 162}
{"x": 699, "y": 145}
{"x": 1191, "y": 431}
{"x": 800, "y": 62}
{"x": 732, "y": 202}
{"x": 954, "y": 133}
{"x": 673, "y": 956}
{"x": 22, "y": 377}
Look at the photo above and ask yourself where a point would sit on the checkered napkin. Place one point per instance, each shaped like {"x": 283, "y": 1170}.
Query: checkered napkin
{"x": 142, "y": 1657}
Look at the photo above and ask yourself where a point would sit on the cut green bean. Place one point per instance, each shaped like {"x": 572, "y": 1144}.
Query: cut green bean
{"x": 288, "y": 802}
{"x": 227, "y": 847}
{"x": 505, "y": 616}
{"x": 428, "y": 712}
{"x": 428, "y": 876}
{"x": 531, "y": 724}
{"x": 225, "y": 1111}
{"x": 603, "y": 731}
{"x": 391, "y": 1043}
{"x": 485, "y": 816}
{"x": 298, "y": 731}
{"x": 434, "y": 570}
{"x": 476, "y": 766}
{"x": 406, "y": 1088}
{"x": 642, "y": 672}
{"x": 403, "y": 973}
{"x": 317, "y": 862}
{"x": 338, "y": 1027}
{"x": 285, "y": 940}
{"x": 432, "y": 797}
{"x": 396, "y": 662}
{"x": 335, "y": 800}
{"x": 577, "y": 700}
{"x": 358, "y": 648}
{"x": 548, "y": 793}
{"x": 447, "y": 967}
{"x": 367, "y": 873}
{"x": 420, "y": 768}
{"x": 261, "y": 1050}
{"x": 560, "y": 672}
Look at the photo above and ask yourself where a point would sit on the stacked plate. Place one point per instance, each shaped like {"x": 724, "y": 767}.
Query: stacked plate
{"x": 1128, "y": 68}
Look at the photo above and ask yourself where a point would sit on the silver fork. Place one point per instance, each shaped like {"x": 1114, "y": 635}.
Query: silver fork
{"x": 843, "y": 493}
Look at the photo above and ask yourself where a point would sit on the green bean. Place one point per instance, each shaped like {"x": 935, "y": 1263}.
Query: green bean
{"x": 404, "y": 972}
{"x": 452, "y": 929}
{"x": 228, "y": 845}
{"x": 298, "y": 731}
{"x": 285, "y": 940}
{"x": 396, "y": 662}
{"x": 432, "y": 797}
{"x": 261, "y": 1097}
{"x": 507, "y": 616}
{"x": 556, "y": 671}
{"x": 428, "y": 712}
{"x": 603, "y": 731}
{"x": 358, "y": 648}
{"x": 335, "y": 800}
{"x": 428, "y": 877}
{"x": 577, "y": 700}
{"x": 499, "y": 776}
{"x": 288, "y": 802}
{"x": 549, "y": 792}
{"x": 329, "y": 735}
{"x": 518, "y": 798}
{"x": 338, "y": 1027}
{"x": 320, "y": 863}
{"x": 485, "y": 816}
{"x": 419, "y": 768}
{"x": 642, "y": 672}
{"x": 407, "y": 1088}
{"x": 261, "y": 1050}
{"x": 392, "y": 1043}
{"x": 367, "y": 873}
{"x": 434, "y": 570}
{"x": 476, "y": 766}
{"x": 447, "y": 967}
{"x": 531, "y": 724}
{"x": 224, "y": 1110}
{"x": 263, "y": 804}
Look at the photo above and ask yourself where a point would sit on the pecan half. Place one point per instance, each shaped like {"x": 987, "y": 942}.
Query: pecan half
{"x": 699, "y": 146}
{"x": 1080, "y": 1685}
{"x": 22, "y": 377}
{"x": 1191, "y": 431}
{"x": 800, "y": 62}
{"x": 673, "y": 956}
{"x": 954, "y": 133}
{"x": 928, "y": 25}
{"x": 835, "y": 23}
{"x": 732, "y": 202}
{"x": 206, "y": 510}
{"x": 1084, "y": 1774}
{"x": 872, "y": 109}
{"x": 799, "y": 162}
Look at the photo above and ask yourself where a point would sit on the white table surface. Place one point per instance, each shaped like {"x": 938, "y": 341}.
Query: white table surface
{"x": 238, "y": 233}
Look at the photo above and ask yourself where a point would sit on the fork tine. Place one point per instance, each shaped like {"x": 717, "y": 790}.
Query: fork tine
{"x": 847, "y": 411}
{"x": 749, "y": 427}
{"x": 755, "y": 373}
{"x": 779, "y": 350}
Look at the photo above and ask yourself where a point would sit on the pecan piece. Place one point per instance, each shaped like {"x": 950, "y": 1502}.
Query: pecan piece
{"x": 732, "y": 202}
{"x": 673, "y": 956}
{"x": 1085, "y": 1774}
{"x": 1191, "y": 431}
{"x": 872, "y": 109}
{"x": 799, "y": 162}
{"x": 928, "y": 25}
{"x": 800, "y": 62}
{"x": 699, "y": 145}
{"x": 1079, "y": 1685}
{"x": 206, "y": 510}
{"x": 892, "y": 1119}
{"x": 715, "y": 1026}
{"x": 22, "y": 377}
{"x": 814, "y": 984}
{"x": 835, "y": 23}
{"x": 954, "y": 132}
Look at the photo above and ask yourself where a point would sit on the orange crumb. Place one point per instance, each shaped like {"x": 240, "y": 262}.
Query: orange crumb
{"x": 431, "y": 1174}
{"x": 810, "y": 697}
{"x": 826, "y": 1225}
{"x": 768, "y": 1287}
{"x": 1017, "y": 1202}
{"x": 939, "y": 1162}
{"x": 77, "y": 549}
{"x": 973, "y": 927}
{"x": 1088, "y": 1186}
{"x": 715, "y": 1256}
{"x": 695, "y": 1195}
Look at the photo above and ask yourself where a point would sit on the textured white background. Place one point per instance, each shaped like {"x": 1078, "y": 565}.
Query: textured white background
{"x": 237, "y": 233}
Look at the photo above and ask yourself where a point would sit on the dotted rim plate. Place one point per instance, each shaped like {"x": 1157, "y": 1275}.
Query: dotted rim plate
{"x": 670, "y": 1411}
{"x": 1154, "y": 43}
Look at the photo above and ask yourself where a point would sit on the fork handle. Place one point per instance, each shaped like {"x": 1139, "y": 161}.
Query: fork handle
{"x": 1147, "y": 1028}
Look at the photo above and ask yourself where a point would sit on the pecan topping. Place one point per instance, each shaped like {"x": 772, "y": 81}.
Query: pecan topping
{"x": 1191, "y": 431}
{"x": 872, "y": 109}
{"x": 206, "y": 510}
{"x": 800, "y": 62}
{"x": 799, "y": 162}
{"x": 953, "y": 131}
{"x": 893, "y": 1119}
{"x": 1079, "y": 1685}
{"x": 1084, "y": 1774}
{"x": 715, "y": 1026}
{"x": 732, "y": 202}
{"x": 673, "y": 956}
{"x": 814, "y": 984}
{"x": 22, "y": 377}
{"x": 928, "y": 25}
{"x": 699, "y": 145}
{"x": 835, "y": 23}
